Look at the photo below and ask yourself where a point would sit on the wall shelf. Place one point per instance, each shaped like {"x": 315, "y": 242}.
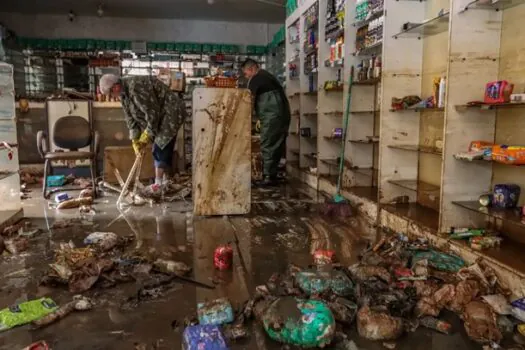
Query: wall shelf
{"x": 509, "y": 215}
{"x": 370, "y": 50}
{"x": 313, "y": 115}
{"x": 422, "y": 109}
{"x": 367, "y": 141}
{"x": 374, "y": 81}
{"x": 487, "y": 106}
{"x": 310, "y": 93}
{"x": 415, "y": 148}
{"x": 334, "y": 113}
{"x": 415, "y": 185}
{"x": 429, "y": 27}
{"x": 332, "y": 162}
{"x": 334, "y": 139}
{"x": 497, "y": 5}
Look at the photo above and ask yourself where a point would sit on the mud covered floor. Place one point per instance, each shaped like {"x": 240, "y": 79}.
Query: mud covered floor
{"x": 284, "y": 227}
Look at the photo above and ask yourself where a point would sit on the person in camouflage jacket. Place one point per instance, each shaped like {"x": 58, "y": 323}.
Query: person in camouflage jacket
{"x": 153, "y": 113}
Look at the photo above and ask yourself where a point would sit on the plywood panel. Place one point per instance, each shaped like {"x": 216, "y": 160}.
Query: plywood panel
{"x": 511, "y": 123}
{"x": 122, "y": 158}
{"x": 221, "y": 151}
{"x": 401, "y": 76}
{"x": 473, "y": 61}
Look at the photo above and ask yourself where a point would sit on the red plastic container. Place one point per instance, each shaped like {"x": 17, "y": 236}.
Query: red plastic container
{"x": 223, "y": 257}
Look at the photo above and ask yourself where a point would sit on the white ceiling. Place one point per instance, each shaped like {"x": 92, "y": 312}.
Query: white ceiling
{"x": 227, "y": 10}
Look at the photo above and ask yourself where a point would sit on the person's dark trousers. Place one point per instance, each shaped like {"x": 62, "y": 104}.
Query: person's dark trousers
{"x": 163, "y": 157}
{"x": 274, "y": 130}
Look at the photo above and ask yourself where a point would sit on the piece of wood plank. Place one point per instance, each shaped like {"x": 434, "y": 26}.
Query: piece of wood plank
{"x": 221, "y": 151}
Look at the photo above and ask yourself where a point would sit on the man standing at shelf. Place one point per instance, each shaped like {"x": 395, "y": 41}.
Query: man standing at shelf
{"x": 272, "y": 110}
{"x": 153, "y": 114}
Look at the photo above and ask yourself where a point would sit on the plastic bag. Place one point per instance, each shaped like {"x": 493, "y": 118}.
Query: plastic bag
{"x": 362, "y": 273}
{"x": 499, "y": 304}
{"x": 439, "y": 260}
{"x": 203, "y": 337}
{"x": 480, "y": 323}
{"x": 26, "y": 312}
{"x": 375, "y": 325}
{"x": 306, "y": 323}
{"x": 317, "y": 282}
{"x": 103, "y": 240}
{"x": 216, "y": 312}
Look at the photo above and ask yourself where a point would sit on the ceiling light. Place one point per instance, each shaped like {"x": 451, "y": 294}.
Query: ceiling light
{"x": 211, "y": 2}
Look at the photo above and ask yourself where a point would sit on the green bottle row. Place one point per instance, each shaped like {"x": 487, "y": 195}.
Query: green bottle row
{"x": 120, "y": 45}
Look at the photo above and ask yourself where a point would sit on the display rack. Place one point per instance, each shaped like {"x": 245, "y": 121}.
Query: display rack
{"x": 11, "y": 206}
{"x": 402, "y": 159}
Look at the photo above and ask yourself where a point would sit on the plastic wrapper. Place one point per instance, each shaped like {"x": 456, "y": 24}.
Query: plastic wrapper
{"x": 170, "y": 266}
{"x": 426, "y": 306}
{"x": 102, "y": 240}
{"x": 375, "y": 325}
{"x": 26, "y": 312}
{"x": 305, "y": 323}
{"x": 344, "y": 310}
{"x": 480, "y": 243}
{"x": 465, "y": 292}
{"x": 362, "y": 273}
{"x": 435, "y": 324}
{"x": 216, "y": 312}
{"x": 203, "y": 337}
{"x": 514, "y": 155}
{"x": 317, "y": 282}
{"x": 439, "y": 260}
{"x": 480, "y": 323}
{"x": 323, "y": 257}
{"x": 470, "y": 156}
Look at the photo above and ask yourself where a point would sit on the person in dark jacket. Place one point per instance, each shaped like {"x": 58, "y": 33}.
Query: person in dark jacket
{"x": 273, "y": 112}
{"x": 153, "y": 113}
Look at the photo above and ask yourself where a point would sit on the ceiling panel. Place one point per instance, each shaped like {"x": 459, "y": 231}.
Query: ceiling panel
{"x": 228, "y": 10}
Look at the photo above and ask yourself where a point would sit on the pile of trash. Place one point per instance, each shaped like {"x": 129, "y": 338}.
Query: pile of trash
{"x": 15, "y": 238}
{"x": 398, "y": 286}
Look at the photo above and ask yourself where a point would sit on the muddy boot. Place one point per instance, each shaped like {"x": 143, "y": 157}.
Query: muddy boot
{"x": 268, "y": 181}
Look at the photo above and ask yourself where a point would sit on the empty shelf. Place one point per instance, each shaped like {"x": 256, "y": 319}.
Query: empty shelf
{"x": 414, "y": 148}
{"x": 490, "y": 106}
{"x": 374, "y": 81}
{"x": 429, "y": 27}
{"x": 509, "y": 215}
{"x": 333, "y": 162}
{"x": 440, "y": 109}
{"x": 415, "y": 185}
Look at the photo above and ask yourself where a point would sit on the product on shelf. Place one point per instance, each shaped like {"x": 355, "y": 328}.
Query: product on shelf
{"x": 514, "y": 155}
{"x": 498, "y": 92}
{"x": 506, "y": 195}
{"x": 404, "y": 102}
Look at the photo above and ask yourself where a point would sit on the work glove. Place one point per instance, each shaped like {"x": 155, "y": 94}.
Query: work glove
{"x": 258, "y": 125}
{"x": 141, "y": 143}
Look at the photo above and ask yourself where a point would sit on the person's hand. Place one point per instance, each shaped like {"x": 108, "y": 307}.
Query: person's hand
{"x": 140, "y": 144}
{"x": 258, "y": 125}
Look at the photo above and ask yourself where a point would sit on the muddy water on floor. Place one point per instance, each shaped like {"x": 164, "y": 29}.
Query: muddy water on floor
{"x": 283, "y": 228}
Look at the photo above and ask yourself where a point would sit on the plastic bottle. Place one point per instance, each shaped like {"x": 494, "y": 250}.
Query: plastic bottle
{"x": 441, "y": 94}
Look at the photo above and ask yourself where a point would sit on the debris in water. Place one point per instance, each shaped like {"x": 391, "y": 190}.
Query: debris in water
{"x": 223, "y": 257}
{"x": 480, "y": 323}
{"x": 378, "y": 325}
{"x": 215, "y": 312}
{"x": 203, "y": 337}
{"x": 102, "y": 240}
{"x": 25, "y": 312}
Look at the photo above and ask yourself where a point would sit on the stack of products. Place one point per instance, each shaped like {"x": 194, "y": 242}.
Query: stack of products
{"x": 335, "y": 16}
{"x": 370, "y": 34}
{"x": 484, "y": 150}
{"x": 478, "y": 238}
{"x": 368, "y": 69}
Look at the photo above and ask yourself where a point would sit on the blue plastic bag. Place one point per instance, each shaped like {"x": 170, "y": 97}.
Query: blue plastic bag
{"x": 203, "y": 337}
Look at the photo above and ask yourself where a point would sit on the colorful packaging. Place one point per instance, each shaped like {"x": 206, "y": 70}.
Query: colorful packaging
{"x": 498, "y": 91}
{"x": 479, "y": 146}
{"x": 435, "y": 324}
{"x": 480, "y": 243}
{"x": 440, "y": 261}
{"x": 313, "y": 325}
{"x": 514, "y": 155}
{"x": 56, "y": 180}
{"x": 506, "y": 195}
{"x": 26, "y": 312}
{"x": 317, "y": 282}
{"x": 223, "y": 257}
{"x": 203, "y": 337}
{"x": 324, "y": 257}
{"x": 466, "y": 233}
{"x": 216, "y": 312}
